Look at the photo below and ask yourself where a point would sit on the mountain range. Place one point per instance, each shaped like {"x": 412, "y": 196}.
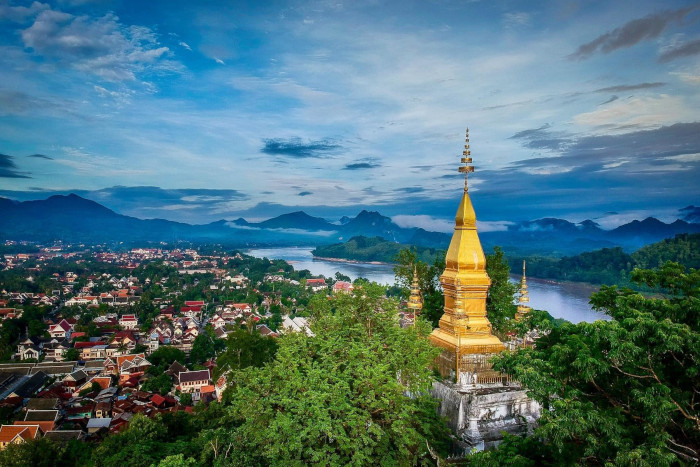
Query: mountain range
{"x": 75, "y": 219}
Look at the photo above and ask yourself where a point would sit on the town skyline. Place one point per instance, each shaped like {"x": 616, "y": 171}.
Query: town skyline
{"x": 200, "y": 112}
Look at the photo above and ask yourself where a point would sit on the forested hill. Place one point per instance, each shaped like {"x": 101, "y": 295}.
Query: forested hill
{"x": 368, "y": 249}
{"x": 612, "y": 265}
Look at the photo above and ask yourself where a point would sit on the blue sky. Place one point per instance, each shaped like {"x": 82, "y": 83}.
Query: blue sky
{"x": 197, "y": 111}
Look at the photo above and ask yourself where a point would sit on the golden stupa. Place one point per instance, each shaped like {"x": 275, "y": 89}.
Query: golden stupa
{"x": 464, "y": 328}
{"x": 524, "y": 299}
{"x": 415, "y": 303}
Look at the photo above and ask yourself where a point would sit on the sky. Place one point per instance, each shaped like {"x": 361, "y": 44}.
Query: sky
{"x": 199, "y": 111}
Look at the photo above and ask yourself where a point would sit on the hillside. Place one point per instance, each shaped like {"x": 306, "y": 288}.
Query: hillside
{"x": 366, "y": 249}
{"x": 612, "y": 265}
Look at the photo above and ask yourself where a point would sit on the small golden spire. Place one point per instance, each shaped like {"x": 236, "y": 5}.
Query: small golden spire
{"x": 415, "y": 303}
{"x": 466, "y": 160}
{"x": 523, "y": 308}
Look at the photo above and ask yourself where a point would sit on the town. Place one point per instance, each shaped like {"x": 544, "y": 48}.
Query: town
{"x": 91, "y": 337}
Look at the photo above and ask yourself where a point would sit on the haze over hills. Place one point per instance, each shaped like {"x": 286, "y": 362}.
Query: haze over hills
{"x": 72, "y": 218}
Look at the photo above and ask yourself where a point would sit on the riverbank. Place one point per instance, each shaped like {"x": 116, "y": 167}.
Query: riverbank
{"x": 351, "y": 261}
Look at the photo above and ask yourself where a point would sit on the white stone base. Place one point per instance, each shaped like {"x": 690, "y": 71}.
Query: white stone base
{"x": 478, "y": 416}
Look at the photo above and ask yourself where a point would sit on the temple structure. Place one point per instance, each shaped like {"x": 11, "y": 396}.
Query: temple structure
{"x": 524, "y": 299}
{"x": 465, "y": 332}
{"x": 415, "y": 302}
{"x": 480, "y": 403}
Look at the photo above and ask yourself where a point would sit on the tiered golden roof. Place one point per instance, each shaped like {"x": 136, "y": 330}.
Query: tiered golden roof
{"x": 524, "y": 299}
{"x": 464, "y": 328}
{"x": 415, "y": 302}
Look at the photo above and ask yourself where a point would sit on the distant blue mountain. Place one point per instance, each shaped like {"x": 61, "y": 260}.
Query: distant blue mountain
{"x": 75, "y": 219}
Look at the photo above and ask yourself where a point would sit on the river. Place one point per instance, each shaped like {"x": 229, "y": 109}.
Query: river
{"x": 567, "y": 300}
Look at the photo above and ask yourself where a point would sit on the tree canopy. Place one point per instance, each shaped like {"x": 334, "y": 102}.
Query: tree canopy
{"x": 353, "y": 394}
{"x": 623, "y": 391}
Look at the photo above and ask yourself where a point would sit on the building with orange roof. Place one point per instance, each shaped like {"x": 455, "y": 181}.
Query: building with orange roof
{"x": 18, "y": 434}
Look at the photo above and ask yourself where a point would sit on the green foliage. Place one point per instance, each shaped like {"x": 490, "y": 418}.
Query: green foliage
{"x": 160, "y": 384}
{"x": 622, "y": 391}
{"x": 71, "y": 355}
{"x": 245, "y": 348}
{"x": 428, "y": 281}
{"x": 499, "y": 303}
{"x": 186, "y": 398}
{"x": 165, "y": 355}
{"x": 177, "y": 460}
{"x": 683, "y": 249}
{"x": 612, "y": 265}
{"x": 342, "y": 396}
{"x": 372, "y": 249}
{"x": 205, "y": 346}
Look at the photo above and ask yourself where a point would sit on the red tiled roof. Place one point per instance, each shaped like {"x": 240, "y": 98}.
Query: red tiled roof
{"x": 157, "y": 399}
{"x": 10, "y": 432}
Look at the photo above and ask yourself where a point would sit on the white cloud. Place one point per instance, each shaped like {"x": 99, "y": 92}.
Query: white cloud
{"x": 493, "y": 226}
{"x": 185, "y": 45}
{"x": 219, "y": 61}
{"x": 20, "y": 14}
{"x": 684, "y": 157}
{"x": 101, "y": 46}
{"x": 638, "y": 112}
{"x": 426, "y": 222}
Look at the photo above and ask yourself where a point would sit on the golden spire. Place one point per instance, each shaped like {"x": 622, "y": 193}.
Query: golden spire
{"x": 415, "y": 303}
{"x": 466, "y": 160}
{"x": 523, "y": 308}
{"x": 464, "y": 328}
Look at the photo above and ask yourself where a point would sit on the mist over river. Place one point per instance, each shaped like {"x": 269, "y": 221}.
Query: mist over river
{"x": 567, "y": 300}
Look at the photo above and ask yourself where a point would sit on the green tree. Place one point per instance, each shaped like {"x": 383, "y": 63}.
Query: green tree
{"x": 428, "y": 281}
{"x": 499, "y": 303}
{"x": 160, "y": 384}
{"x": 353, "y": 394}
{"x": 623, "y": 391}
{"x": 71, "y": 355}
{"x": 186, "y": 398}
{"x": 206, "y": 345}
{"x": 245, "y": 348}
{"x": 166, "y": 355}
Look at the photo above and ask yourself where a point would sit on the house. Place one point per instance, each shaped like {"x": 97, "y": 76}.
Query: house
{"x": 64, "y": 436}
{"x": 37, "y": 403}
{"x": 128, "y": 321}
{"x": 55, "y": 349}
{"x": 342, "y": 286}
{"x": 18, "y": 434}
{"x": 62, "y": 330}
{"x": 193, "y": 381}
{"x": 131, "y": 365}
{"x": 264, "y": 330}
{"x": 96, "y": 424}
{"x": 297, "y": 324}
{"x": 103, "y": 409}
{"x": 46, "y": 419}
{"x": 316, "y": 285}
{"x": 73, "y": 380}
{"x": 18, "y": 385}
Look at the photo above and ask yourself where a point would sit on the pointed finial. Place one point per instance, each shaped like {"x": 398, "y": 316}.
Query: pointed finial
{"x": 523, "y": 268}
{"x": 466, "y": 160}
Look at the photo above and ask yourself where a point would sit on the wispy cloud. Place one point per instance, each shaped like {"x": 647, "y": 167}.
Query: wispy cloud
{"x": 41, "y": 156}
{"x": 298, "y": 149}
{"x": 185, "y": 45}
{"x": 687, "y": 49}
{"x": 630, "y": 87}
{"x": 362, "y": 164}
{"x": 631, "y": 33}
{"x": 8, "y": 168}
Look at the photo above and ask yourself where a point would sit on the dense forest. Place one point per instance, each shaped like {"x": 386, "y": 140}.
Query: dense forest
{"x": 372, "y": 249}
{"x": 613, "y": 265}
